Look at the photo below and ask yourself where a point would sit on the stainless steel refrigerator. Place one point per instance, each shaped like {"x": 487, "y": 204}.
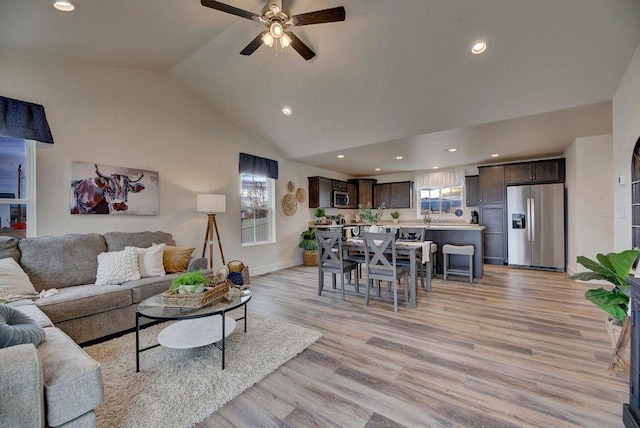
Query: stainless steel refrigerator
{"x": 536, "y": 222}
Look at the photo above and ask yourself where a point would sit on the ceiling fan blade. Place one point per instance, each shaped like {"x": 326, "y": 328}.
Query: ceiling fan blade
{"x": 300, "y": 47}
{"x": 255, "y": 44}
{"x": 230, "y": 9}
{"x": 319, "y": 17}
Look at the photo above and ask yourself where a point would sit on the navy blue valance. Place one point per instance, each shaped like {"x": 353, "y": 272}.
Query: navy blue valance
{"x": 27, "y": 121}
{"x": 255, "y": 165}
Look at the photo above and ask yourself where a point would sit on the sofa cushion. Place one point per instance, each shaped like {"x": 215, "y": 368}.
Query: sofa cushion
{"x": 116, "y": 241}
{"x": 84, "y": 300}
{"x": 16, "y": 328}
{"x": 9, "y": 248}
{"x": 116, "y": 267}
{"x": 176, "y": 259}
{"x": 33, "y": 312}
{"x": 61, "y": 261}
{"x": 147, "y": 287}
{"x": 72, "y": 379}
{"x": 150, "y": 260}
{"x": 14, "y": 282}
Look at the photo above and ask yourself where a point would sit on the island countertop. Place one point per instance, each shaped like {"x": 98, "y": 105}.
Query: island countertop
{"x": 430, "y": 226}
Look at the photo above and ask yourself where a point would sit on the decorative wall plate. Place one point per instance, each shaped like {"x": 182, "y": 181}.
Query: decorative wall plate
{"x": 291, "y": 186}
{"x": 289, "y": 204}
{"x": 301, "y": 195}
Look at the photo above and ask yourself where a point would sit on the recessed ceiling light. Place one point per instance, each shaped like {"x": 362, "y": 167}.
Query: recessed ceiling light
{"x": 478, "y": 47}
{"x": 495, "y": 155}
{"x": 340, "y": 156}
{"x": 435, "y": 167}
{"x": 286, "y": 111}
{"x": 377, "y": 169}
{"x": 64, "y": 6}
{"x": 452, "y": 149}
{"x": 399, "y": 157}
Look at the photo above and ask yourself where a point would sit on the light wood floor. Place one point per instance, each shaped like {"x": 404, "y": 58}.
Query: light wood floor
{"x": 518, "y": 348}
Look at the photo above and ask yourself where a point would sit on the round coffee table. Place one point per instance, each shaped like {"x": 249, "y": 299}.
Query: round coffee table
{"x": 195, "y": 327}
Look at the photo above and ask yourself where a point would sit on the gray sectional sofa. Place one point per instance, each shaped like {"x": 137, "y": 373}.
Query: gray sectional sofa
{"x": 57, "y": 384}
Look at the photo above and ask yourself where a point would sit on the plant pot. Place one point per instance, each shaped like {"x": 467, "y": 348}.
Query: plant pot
{"x": 613, "y": 329}
{"x": 396, "y": 221}
{"x": 187, "y": 289}
{"x": 310, "y": 258}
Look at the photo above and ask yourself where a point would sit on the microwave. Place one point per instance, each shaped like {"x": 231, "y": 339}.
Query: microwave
{"x": 340, "y": 200}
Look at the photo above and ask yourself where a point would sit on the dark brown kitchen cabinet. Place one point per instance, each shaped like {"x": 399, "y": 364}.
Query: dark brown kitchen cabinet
{"x": 320, "y": 192}
{"x": 365, "y": 190}
{"x": 546, "y": 171}
{"x": 394, "y": 195}
{"x": 340, "y": 186}
{"x": 471, "y": 188}
{"x": 352, "y": 190}
{"x": 492, "y": 187}
{"x": 492, "y": 217}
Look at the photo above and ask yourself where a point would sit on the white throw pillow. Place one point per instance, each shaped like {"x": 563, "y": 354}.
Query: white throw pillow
{"x": 14, "y": 282}
{"x": 116, "y": 267}
{"x": 150, "y": 260}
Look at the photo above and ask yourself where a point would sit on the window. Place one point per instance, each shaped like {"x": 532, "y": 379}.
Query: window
{"x": 17, "y": 187}
{"x": 257, "y": 209}
{"x": 436, "y": 201}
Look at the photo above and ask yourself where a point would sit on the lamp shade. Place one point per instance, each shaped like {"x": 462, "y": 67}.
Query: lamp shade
{"x": 207, "y": 203}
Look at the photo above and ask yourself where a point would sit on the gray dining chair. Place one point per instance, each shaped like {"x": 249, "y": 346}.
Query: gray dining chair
{"x": 330, "y": 259}
{"x": 413, "y": 234}
{"x": 381, "y": 268}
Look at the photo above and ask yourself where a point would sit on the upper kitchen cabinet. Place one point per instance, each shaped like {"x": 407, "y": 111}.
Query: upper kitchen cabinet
{"x": 365, "y": 190}
{"x": 320, "y": 192}
{"x": 491, "y": 185}
{"x": 394, "y": 195}
{"x": 546, "y": 171}
{"x": 352, "y": 190}
{"x": 472, "y": 190}
{"x": 339, "y": 186}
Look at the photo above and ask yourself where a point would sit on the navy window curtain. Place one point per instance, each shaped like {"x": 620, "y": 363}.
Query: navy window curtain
{"x": 22, "y": 120}
{"x": 255, "y": 165}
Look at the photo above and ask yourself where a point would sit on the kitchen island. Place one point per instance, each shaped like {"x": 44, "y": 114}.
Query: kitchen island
{"x": 441, "y": 234}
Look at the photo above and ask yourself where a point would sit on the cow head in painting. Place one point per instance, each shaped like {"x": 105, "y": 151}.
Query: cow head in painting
{"x": 104, "y": 194}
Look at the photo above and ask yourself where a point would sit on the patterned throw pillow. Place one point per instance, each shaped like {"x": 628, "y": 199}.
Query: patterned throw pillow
{"x": 14, "y": 283}
{"x": 116, "y": 267}
{"x": 150, "y": 260}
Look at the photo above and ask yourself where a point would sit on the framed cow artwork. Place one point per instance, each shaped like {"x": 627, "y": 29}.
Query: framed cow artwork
{"x": 115, "y": 190}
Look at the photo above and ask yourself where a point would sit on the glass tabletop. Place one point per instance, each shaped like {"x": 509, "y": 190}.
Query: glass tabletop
{"x": 153, "y": 307}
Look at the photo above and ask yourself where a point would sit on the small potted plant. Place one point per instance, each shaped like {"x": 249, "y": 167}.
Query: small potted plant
{"x": 310, "y": 247}
{"x": 395, "y": 215}
{"x": 321, "y": 215}
{"x": 369, "y": 215}
{"x": 189, "y": 283}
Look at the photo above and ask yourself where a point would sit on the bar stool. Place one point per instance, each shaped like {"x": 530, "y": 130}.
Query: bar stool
{"x": 467, "y": 250}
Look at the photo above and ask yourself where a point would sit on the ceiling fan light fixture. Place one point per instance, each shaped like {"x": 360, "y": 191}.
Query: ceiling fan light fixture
{"x": 64, "y": 6}
{"x": 268, "y": 39}
{"x": 285, "y": 41}
{"x": 478, "y": 47}
{"x": 276, "y": 30}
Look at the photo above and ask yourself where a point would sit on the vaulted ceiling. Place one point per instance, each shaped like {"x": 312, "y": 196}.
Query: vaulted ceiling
{"x": 395, "y": 79}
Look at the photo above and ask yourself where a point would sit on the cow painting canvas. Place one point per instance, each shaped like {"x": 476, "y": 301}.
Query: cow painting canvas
{"x": 106, "y": 189}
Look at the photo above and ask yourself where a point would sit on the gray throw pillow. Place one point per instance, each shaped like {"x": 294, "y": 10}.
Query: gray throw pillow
{"x": 16, "y": 328}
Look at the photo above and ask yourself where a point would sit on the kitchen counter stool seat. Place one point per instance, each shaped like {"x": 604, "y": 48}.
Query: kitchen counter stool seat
{"x": 467, "y": 250}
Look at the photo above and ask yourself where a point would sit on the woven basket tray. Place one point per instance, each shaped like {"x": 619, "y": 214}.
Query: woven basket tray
{"x": 173, "y": 298}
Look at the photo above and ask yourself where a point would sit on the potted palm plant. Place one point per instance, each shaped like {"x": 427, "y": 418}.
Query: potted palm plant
{"x": 189, "y": 283}
{"x": 613, "y": 268}
{"x": 310, "y": 246}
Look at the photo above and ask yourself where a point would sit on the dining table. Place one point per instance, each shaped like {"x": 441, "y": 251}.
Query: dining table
{"x": 410, "y": 248}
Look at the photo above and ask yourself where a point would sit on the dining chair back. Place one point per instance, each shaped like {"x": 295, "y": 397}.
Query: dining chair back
{"x": 330, "y": 258}
{"x": 413, "y": 233}
{"x": 380, "y": 267}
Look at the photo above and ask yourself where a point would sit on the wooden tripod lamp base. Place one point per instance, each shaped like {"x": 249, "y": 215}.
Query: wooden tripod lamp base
{"x": 211, "y": 204}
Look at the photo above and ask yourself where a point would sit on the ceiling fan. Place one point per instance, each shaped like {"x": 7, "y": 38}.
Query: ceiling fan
{"x": 277, "y": 22}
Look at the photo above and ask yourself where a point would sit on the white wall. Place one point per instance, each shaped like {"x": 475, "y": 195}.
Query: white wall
{"x": 626, "y": 130}
{"x": 590, "y": 202}
{"x": 147, "y": 120}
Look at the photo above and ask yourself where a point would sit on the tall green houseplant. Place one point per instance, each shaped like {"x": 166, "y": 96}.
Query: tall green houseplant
{"x": 614, "y": 268}
{"x": 310, "y": 246}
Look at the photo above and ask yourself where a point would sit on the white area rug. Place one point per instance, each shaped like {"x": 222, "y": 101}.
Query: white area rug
{"x": 180, "y": 387}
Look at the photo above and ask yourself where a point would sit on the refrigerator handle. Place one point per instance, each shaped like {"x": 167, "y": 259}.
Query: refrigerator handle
{"x": 533, "y": 219}
{"x": 528, "y": 219}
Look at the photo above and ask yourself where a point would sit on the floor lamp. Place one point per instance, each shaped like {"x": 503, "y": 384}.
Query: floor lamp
{"x": 211, "y": 204}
